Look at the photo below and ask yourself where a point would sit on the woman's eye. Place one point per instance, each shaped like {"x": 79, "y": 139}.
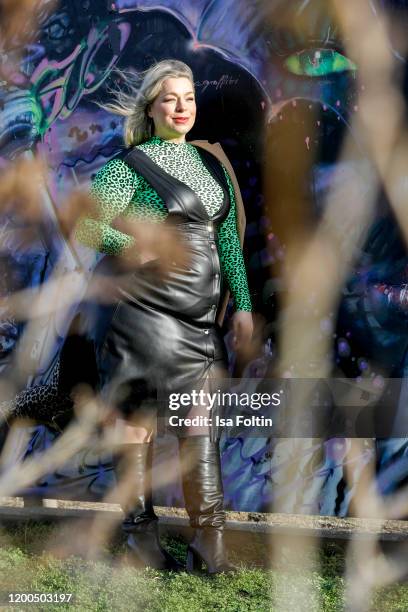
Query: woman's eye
{"x": 318, "y": 62}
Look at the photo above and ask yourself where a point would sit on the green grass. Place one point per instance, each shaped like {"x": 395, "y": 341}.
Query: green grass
{"x": 109, "y": 585}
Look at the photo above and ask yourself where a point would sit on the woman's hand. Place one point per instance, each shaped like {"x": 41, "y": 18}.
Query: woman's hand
{"x": 242, "y": 327}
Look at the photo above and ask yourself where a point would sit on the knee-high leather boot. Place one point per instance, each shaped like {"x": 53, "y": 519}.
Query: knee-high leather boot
{"x": 204, "y": 498}
{"x": 133, "y": 468}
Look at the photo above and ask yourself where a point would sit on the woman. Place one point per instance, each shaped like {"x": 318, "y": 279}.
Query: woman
{"x": 163, "y": 336}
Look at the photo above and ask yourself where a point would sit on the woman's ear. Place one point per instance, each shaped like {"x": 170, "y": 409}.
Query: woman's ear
{"x": 149, "y": 111}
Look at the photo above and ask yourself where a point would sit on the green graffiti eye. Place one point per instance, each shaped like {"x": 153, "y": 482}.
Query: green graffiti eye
{"x": 318, "y": 62}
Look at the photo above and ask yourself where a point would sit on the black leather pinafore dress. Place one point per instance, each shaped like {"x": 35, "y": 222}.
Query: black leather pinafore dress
{"x": 163, "y": 336}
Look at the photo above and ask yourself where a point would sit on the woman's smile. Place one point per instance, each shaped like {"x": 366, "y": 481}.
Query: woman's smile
{"x": 174, "y": 110}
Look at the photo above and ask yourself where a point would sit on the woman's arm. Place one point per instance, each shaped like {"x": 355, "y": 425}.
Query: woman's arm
{"x": 113, "y": 188}
{"x": 231, "y": 259}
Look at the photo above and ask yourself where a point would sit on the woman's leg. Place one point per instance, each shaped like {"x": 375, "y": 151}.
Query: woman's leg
{"x": 203, "y": 493}
{"x": 133, "y": 467}
{"x": 128, "y": 432}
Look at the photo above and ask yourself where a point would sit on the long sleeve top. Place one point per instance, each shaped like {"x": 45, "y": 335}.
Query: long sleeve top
{"x": 119, "y": 190}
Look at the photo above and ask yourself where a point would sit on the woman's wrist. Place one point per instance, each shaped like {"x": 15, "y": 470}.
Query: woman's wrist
{"x": 242, "y": 326}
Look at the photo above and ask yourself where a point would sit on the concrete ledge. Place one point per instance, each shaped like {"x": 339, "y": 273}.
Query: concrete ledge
{"x": 249, "y": 535}
{"x": 15, "y": 508}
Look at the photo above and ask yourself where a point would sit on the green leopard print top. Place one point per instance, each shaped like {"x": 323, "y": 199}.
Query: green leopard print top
{"x": 119, "y": 190}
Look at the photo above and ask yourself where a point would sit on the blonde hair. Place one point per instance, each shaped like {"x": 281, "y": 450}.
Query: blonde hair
{"x": 141, "y": 91}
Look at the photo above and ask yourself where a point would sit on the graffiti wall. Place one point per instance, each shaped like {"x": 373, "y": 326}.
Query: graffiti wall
{"x": 255, "y": 78}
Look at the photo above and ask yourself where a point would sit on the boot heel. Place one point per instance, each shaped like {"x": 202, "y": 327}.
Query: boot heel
{"x": 193, "y": 563}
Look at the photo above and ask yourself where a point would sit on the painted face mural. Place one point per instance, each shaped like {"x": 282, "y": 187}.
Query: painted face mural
{"x": 263, "y": 70}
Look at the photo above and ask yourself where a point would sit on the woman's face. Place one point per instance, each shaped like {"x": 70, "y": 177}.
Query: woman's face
{"x": 174, "y": 110}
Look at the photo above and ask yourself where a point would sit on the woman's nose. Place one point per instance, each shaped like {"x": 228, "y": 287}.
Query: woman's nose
{"x": 181, "y": 105}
